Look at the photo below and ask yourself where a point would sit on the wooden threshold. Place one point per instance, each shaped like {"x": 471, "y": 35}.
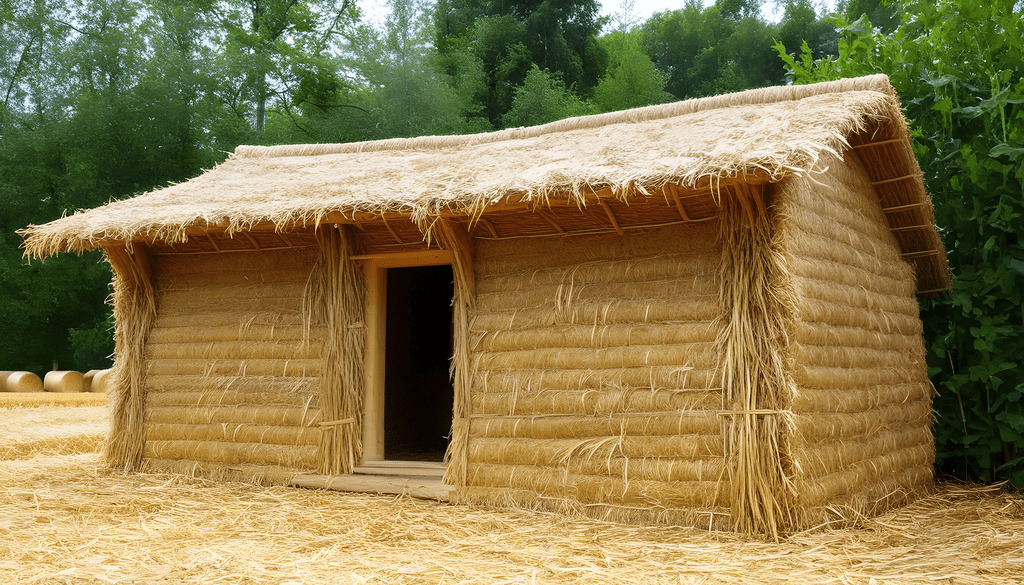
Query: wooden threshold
{"x": 416, "y": 479}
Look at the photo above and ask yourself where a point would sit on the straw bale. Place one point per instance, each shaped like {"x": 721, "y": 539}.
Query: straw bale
{"x": 243, "y": 265}
{"x": 213, "y": 298}
{"x": 263, "y": 414}
{"x": 854, "y": 398}
{"x": 220, "y": 275}
{"x": 241, "y": 322}
{"x": 87, "y": 381}
{"x": 839, "y": 314}
{"x": 821, "y": 426}
{"x": 3, "y": 379}
{"x": 236, "y": 367}
{"x": 813, "y": 333}
{"x": 850, "y": 357}
{"x": 233, "y": 350}
{"x": 529, "y": 256}
{"x": 651, "y": 468}
{"x": 249, "y": 474}
{"x": 646, "y": 515}
{"x": 558, "y": 451}
{"x": 596, "y": 402}
{"x": 531, "y": 380}
{"x": 858, "y": 487}
{"x": 295, "y": 456}
{"x": 600, "y": 291}
{"x": 681, "y": 355}
{"x": 23, "y": 382}
{"x": 235, "y": 433}
{"x": 64, "y": 381}
{"x": 664, "y": 333}
{"x": 197, "y": 391}
{"x": 556, "y": 483}
{"x": 832, "y": 456}
{"x": 607, "y": 312}
{"x": 814, "y": 376}
{"x": 234, "y": 332}
{"x": 855, "y": 297}
{"x": 636, "y": 423}
{"x": 665, "y": 266}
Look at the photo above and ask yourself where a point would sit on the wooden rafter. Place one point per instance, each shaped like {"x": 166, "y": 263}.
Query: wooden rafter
{"x": 213, "y": 243}
{"x": 489, "y": 227}
{"x": 394, "y": 234}
{"x": 611, "y": 217}
{"x": 252, "y": 240}
{"x": 547, "y": 217}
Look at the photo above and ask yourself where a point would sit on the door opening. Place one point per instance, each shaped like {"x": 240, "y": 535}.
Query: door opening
{"x": 418, "y": 394}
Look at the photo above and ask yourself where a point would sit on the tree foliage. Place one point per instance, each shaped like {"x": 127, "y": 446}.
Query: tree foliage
{"x": 957, "y": 66}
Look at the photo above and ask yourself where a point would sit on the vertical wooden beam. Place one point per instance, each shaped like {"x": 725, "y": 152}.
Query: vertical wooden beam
{"x": 376, "y": 278}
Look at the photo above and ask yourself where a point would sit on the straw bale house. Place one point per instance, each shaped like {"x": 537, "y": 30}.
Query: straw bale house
{"x": 703, "y": 312}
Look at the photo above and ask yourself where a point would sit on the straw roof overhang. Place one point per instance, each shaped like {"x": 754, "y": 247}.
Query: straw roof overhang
{"x": 616, "y": 171}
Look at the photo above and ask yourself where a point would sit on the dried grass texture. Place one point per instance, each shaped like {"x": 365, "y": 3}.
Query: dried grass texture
{"x": 68, "y": 519}
{"x": 64, "y": 518}
{"x": 10, "y": 399}
{"x": 29, "y": 431}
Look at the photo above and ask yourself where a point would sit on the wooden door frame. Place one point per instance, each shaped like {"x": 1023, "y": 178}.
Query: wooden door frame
{"x": 375, "y": 271}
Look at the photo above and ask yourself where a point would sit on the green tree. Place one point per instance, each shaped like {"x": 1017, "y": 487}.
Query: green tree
{"x": 543, "y": 98}
{"x": 508, "y": 38}
{"x": 632, "y": 80}
{"x": 707, "y": 51}
{"x": 957, "y": 67}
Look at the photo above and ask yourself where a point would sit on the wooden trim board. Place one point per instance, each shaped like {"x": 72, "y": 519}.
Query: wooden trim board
{"x": 424, "y": 488}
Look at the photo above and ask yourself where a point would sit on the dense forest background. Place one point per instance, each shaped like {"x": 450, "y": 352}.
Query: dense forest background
{"x": 103, "y": 99}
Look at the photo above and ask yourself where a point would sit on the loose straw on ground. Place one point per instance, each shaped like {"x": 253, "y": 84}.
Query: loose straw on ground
{"x": 67, "y": 516}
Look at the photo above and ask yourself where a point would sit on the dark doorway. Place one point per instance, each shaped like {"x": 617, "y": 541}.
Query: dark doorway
{"x": 418, "y": 393}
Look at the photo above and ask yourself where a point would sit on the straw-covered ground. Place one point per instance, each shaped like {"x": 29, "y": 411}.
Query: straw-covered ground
{"x": 63, "y": 519}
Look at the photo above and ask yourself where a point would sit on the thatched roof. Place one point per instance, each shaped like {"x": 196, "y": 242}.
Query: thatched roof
{"x": 763, "y": 135}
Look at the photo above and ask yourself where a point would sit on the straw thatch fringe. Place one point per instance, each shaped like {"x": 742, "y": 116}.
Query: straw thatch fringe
{"x": 753, "y": 335}
{"x": 134, "y": 313}
{"x": 879, "y": 83}
{"x": 334, "y": 296}
{"x": 454, "y": 237}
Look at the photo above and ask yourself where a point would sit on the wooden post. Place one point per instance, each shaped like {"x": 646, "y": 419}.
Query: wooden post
{"x": 376, "y": 277}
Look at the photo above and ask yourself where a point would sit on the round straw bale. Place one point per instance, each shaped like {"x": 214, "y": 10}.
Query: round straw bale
{"x": 64, "y": 381}
{"x": 87, "y": 377}
{"x": 3, "y": 379}
{"x": 24, "y": 382}
{"x": 99, "y": 381}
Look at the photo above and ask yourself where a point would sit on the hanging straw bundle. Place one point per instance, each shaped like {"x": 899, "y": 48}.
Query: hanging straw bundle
{"x": 752, "y": 338}
{"x": 134, "y": 313}
{"x": 334, "y": 297}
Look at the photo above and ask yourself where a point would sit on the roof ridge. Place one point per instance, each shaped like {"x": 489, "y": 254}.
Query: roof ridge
{"x": 878, "y": 82}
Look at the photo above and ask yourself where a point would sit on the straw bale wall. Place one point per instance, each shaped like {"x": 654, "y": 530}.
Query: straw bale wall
{"x": 593, "y": 382}
{"x": 861, "y": 400}
{"x": 232, "y": 378}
